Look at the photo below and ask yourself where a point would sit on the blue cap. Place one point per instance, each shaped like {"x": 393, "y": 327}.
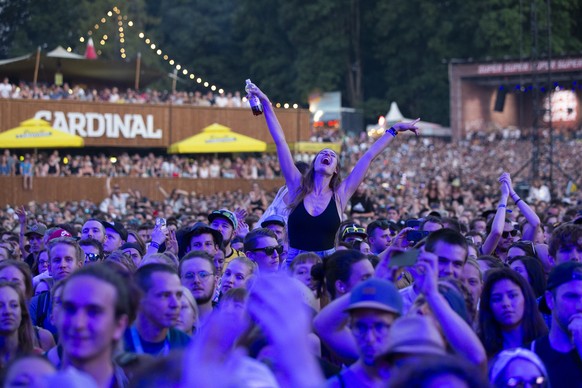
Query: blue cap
{"x": 376, "y": 294}
{"x": 274, "y": 219}
{"x": 226, "y": 214}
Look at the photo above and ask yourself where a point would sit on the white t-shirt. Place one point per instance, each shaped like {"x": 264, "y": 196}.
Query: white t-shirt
{"x": 5, "y": 90}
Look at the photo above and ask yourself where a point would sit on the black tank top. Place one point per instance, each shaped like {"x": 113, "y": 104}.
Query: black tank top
{"x": 310, "y": 233}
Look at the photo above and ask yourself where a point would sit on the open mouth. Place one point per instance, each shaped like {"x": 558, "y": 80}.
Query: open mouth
{"x": 326, "y": 161}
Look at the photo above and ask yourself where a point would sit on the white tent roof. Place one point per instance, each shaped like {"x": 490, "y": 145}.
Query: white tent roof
{"x": 394, "y": 115}
{"x": 60, "y": 52}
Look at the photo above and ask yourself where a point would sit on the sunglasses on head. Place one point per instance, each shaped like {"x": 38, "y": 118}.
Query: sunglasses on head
{"x": 353, "y": 230}
{"x": 513, "y": 233}
{"x": 92, "y": 256}
{"x": 270, "y": 250}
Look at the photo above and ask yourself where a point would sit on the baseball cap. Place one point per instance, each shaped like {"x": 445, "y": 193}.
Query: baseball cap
{"x": 564, "y": 273}
{"x": 129, "y": 245}
{"x": 58, "y": 233}
{"x": 224, "y": 213}
{"x": 39, "y": 229}
{"x": 354, "y": 229}
{"x": 376, "y": 294}
{"x": 274, "y": 219}
{"x": 117, "y": 227}
{"x": 415, "y": 334}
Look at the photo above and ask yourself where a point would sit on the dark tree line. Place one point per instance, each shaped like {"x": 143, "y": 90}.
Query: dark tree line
{"x": 373, "y": 51}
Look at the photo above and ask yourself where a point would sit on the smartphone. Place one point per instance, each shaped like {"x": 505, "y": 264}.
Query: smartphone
{"x": 161, "y": 223}
{"x": 414, "y": 236}
{"x": 404, "y": 259}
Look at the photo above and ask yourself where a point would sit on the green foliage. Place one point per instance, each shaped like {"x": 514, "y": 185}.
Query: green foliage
{"x": 291, "y": 48}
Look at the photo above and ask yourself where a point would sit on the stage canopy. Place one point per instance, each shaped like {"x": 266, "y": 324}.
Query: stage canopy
{"x": 217, "y": 138}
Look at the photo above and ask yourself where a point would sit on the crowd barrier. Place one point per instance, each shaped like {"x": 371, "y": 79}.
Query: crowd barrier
{"x": 60, "y": 189}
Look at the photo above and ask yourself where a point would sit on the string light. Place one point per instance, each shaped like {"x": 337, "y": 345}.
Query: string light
{"x": 154, "y": 47}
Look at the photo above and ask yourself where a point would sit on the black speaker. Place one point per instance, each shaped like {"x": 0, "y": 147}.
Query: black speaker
{"x": 500, "y": 99}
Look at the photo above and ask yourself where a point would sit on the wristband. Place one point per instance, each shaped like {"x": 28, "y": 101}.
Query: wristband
{"x": 519, "y": 199}
{"x": 501, "y": 206}
{"x": 155, "y": 245}
{"x": 392, "y": 131}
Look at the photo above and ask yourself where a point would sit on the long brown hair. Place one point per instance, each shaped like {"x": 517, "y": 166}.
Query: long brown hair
{"x": 308, "y": 183}
{"x": 25, "y": 330}
{"x": 489, "y": 330}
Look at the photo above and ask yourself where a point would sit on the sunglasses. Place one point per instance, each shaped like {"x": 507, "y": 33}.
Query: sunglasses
{"x": 92, "y": 256}
{"x": 353, "y": 230}
{"x": 513, "y": 233}
{"x": 270, "y": 250}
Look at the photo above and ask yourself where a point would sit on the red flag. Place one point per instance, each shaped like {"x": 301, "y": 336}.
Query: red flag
{"x": 90, "y": 53}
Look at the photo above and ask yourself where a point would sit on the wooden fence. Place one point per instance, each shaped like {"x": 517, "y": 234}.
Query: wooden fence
{"x": 48, "y": 189}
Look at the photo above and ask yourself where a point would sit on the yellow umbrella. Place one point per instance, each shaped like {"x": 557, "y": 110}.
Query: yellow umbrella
{"x": 217, "y": 138}
{"x": 38, "y": 133}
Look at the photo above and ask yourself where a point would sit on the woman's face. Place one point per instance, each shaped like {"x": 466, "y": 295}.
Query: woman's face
{"x": 326, "y": 161}
{"x": 10, "y": 312}
{"x": 235, "y": 275}
{"x": 364, "y": 248}
{"x": 518, "y": 267}
{"x": 507, "y": 303}
{"x": 13, "y": 274}
{"x": 187, "y": 317}
{"x": 302, "y": 272}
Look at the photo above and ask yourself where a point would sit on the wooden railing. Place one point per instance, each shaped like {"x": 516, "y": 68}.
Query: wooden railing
{"x": 60, "y": 189}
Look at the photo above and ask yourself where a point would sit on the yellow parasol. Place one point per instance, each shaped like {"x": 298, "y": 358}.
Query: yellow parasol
{"x": 38, "y": 133}
{"x": 217, "y": 138}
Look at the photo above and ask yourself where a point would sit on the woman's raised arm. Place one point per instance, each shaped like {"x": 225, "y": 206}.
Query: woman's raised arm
{"x": 357, "y": 175}
{"x": 290, "y": 172}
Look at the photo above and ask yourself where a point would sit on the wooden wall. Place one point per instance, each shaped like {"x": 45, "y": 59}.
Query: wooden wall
{"x": 177, "y": 122}
{"x": 93, "y": 189}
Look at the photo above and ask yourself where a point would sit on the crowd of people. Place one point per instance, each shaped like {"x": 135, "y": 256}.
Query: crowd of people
{"x": 425, "y": 268}
{"x": 145, "y": 166}
{"x": 41, "y": 91}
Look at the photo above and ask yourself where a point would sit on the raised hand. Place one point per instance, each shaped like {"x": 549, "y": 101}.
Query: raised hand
{"x": 504, "y": 186}
{"x": 211, "y": 360}
{"x": 158, "y": 235}
{"x": 286, "y": 325}
{"x": 411, "y": 126}
{"x": 427, "y": 272}
{"x": 21, "y": 213}
{"x": 400, "y": 240}
{"x": 172, "y": 243}
{"x": 506, "y": 178}
{"x": 384, "y": 270}
{"x": 253, "y": 89}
